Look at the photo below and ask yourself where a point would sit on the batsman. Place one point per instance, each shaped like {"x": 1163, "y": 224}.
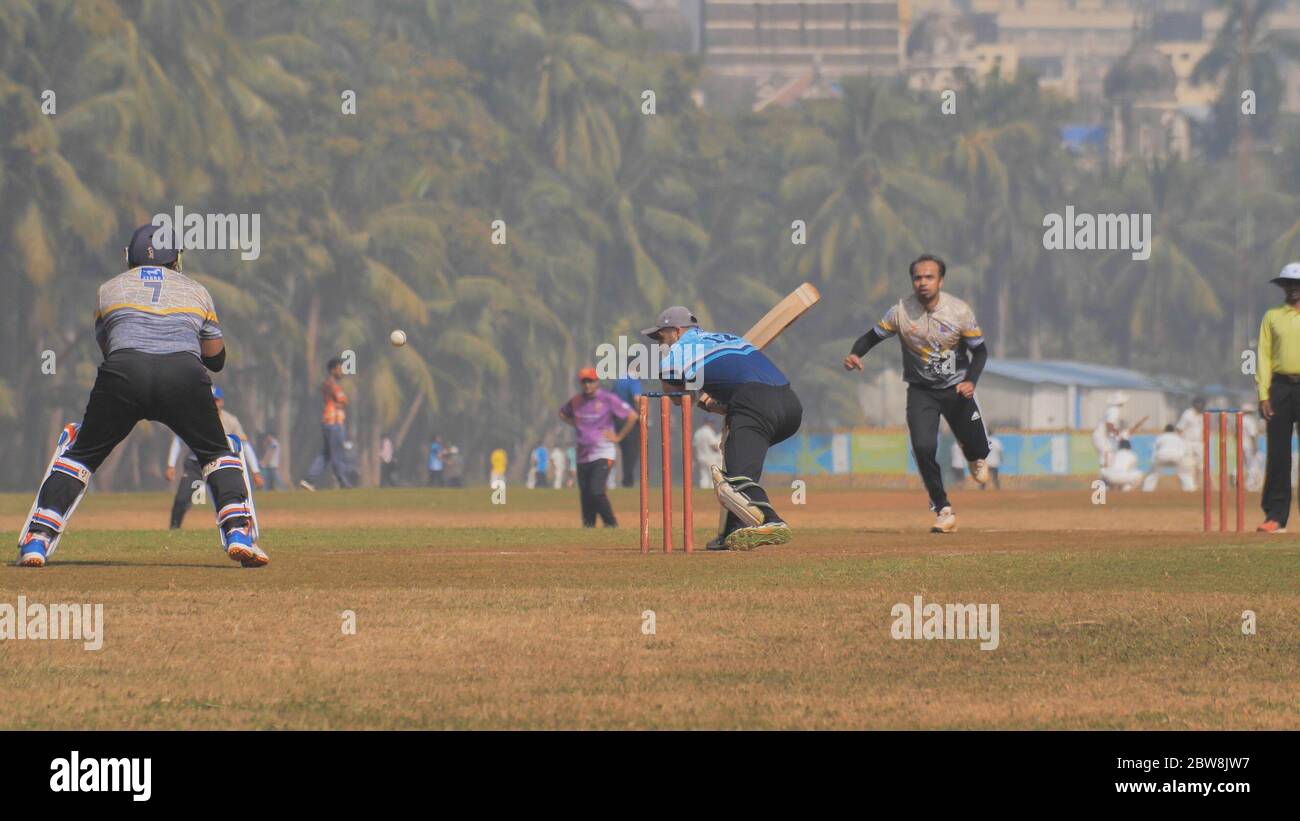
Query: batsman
{"x": 734, "y": 378}
{"x": 159, "y": 334}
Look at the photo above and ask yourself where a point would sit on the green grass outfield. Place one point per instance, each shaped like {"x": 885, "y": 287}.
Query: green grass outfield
{"x": 474, "y": 615}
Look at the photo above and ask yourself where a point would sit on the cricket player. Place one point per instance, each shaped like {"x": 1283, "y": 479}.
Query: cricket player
{"x": 761, "y": 410}
{"x": 1168, "y": 453}
{"x": 1122, "y": 471}
{"x": 1250, "y": 447}
{"x": 191, "y": 472}
{"x": 706, "y": 444}
{"x": 592, "y": 413}
{"x": 1190, "y": 426}
{"x": 159, "y": 334}
{"x": 1277, "y": 379}
{"x": 559, "y": 467}
{"x": 333, "y": 438}
{"x": 943, "y": 356}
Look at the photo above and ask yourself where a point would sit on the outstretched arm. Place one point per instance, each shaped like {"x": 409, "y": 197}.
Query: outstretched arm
{"x": 869, "y": 340}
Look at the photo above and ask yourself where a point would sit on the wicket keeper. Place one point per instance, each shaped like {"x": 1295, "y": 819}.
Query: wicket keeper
{"x": 943, "y": 356}
{"x": 761, "y": 410}
{"x": 159, "y": 334}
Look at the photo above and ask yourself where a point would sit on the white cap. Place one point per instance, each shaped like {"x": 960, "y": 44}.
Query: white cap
{"x": 1291, "y": 273}
{"x": 1117, "y": 398}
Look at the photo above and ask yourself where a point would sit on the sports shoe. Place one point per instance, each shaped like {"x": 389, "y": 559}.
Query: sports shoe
{"x": 241, "y": 548}
{"x": 305, "y": 485}
{"x": 945, "y": 521}
{"x": 979, "y": 471}
{"x": 33, "y": 550}
{"x": 748, "y": 538}
{"x": 718, "y": 542}
{"x": 1270, "y": 527}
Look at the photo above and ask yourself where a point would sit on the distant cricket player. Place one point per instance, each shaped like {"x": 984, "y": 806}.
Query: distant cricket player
{"x": 192, "y": 471}
{"x": 761, "y": 410}
{"x": 943, "y": 356}
{"x": 159, "y": 333}
{"x": 592, "y": 413}
{"x": 333, "y": 438}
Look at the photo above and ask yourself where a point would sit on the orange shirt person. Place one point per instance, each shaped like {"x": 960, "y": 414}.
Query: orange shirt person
{"x": 333, "y": 437}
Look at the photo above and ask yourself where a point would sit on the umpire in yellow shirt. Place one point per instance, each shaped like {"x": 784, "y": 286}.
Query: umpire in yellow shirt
{"x": 1278, "y": 379}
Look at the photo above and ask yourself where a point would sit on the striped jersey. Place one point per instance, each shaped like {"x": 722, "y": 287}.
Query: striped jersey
{"x": 154, "y": 310}
{"x": 718, "y": 363}
{"x": 932, "y": 354}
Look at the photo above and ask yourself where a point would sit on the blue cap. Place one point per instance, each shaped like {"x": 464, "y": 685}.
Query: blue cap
{"x": 143, "y": 251}
{"x": 217, "y": 394}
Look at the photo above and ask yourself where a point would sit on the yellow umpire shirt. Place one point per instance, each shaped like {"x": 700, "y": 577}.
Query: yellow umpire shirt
{"x": 1279, "y": 346}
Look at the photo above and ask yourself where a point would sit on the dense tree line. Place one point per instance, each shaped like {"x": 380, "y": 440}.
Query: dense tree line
{"x": 530, "y": 112}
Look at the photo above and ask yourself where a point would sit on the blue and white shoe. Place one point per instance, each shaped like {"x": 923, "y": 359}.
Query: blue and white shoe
{"x": 241, "y": 548}
{"x": 33, "y": 550}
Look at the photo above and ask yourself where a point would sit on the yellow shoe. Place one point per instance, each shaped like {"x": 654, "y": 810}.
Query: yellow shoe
{"x": 945, "y": 521}
{"x": 979, "y": 471}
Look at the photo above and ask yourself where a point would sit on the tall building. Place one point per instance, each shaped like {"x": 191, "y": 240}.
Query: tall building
{"x": 761, "y": 48}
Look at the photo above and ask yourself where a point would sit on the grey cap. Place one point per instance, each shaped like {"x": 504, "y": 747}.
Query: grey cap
{"x": 674, "y": 317}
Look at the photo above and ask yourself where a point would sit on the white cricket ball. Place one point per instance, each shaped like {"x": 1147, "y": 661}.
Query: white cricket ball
{"x": 398, "y": 338}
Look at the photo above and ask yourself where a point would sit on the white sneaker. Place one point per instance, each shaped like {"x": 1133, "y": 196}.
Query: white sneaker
{"x": 979, "y": 471}
{"x": 944, "y": 521}
{"x": 305, "y": 485}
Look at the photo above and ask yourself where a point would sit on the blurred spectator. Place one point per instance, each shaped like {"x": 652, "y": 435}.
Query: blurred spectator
{"x": 435, "y": 462}
{"x": 559, "y": 471}
{"x": 707, "y": 445}
{"x": 271, "y": 461}
{"x": 629, "y": 449}
{"x": 454, "y": 468}
{"x": 537, "y": 467}
{"x": 499, "y": 460}
{"x": 387, "y": 462}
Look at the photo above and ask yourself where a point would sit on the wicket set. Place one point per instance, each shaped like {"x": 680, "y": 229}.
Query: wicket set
{"x": 1207, "y": 489}
{"x": 666, "y": 401}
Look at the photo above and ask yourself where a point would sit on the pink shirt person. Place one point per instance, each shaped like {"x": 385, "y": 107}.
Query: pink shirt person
{"x": 593, "y": 417}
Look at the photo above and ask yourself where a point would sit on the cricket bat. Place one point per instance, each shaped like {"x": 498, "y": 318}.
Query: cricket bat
{"x": 775, "y": 321}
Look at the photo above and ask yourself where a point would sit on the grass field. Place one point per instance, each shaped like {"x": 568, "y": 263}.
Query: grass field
{"x": 474, "y": 615}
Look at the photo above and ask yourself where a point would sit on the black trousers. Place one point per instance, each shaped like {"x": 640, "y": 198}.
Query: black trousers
{"x": 1276, "y": 499}
{"x": 191, "y": 472}
{"x": 592, "y": 478}
{"x": 924, "y": 407}
{"x": 629, "y": 454}
{"x": 758, "y": 417}
{"x": 174, "y": 389}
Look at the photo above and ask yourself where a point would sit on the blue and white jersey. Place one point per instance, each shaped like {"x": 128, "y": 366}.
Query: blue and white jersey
{"x": 718, "y": 363}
